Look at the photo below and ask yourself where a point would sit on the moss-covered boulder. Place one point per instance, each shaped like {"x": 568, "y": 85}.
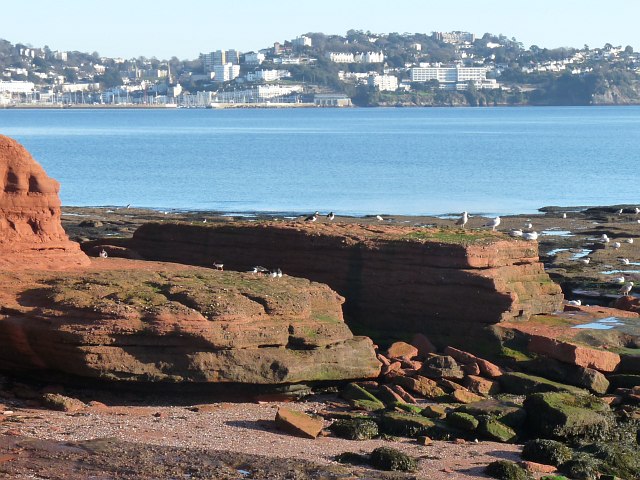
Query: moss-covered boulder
{"x": 354, "y": 429}
{"x": 506, "y": 411}
{"x": 391, "y": 459}
{"x": 567, "y": 417}
{"x": 582, "y": 467}
{"x": 506, "y": 470}
{"x": 463, "y": 421}
{"x": 359, "y": 398}
{"x": 434, "y": 411}
{"x": 620, "y": 460}
{"x": 406, "y": 425}
{"x": 548, "y": 452}
{"x": 523, "y": 384}
{"x": 495, "y": 430}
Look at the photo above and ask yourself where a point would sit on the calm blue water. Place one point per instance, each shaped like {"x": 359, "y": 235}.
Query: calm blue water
{"x": 355, "y": 161}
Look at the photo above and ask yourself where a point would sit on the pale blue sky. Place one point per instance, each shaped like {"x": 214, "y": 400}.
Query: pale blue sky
{"x": 184, "y": 28}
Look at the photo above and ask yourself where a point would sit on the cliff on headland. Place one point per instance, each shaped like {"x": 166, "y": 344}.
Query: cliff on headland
{"x": 447, "y": 284}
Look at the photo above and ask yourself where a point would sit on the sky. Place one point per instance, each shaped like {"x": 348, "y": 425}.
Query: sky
{"x": 186, "y": 28}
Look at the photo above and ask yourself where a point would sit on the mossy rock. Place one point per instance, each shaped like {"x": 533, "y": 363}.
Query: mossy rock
{"x": 355, "y": 429}
{"x": 618, "y": 460}
{"x": 554, "y": 477}
{"x": 582, "y": 467}
{"x": 504, "y": 410}
{"x": 566, "y": 417}
{"x": 548, "y": 452}
{"x": 352, "y": 458}
{"x": 495, "y": 430}
{"x": 359, "y": 398}
{"x": 523, "y": 384}
{"x": 434, "y": 411}
{"x": 506, "y": 470}
{"x": 406, "y": 407}
{"x": 463, "y": 421}
{"x": 406, "y": 425}
{"x": 391, "y": 459}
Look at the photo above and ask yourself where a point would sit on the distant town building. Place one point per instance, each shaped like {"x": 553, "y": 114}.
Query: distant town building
{"x": 453, "y": 77}
{"x": 17, "y": 87}
{"x": 252, "y": 58}
{"x": 267, "y": 75}
{"x": 219, "y": 58}
{"x": 454, "y": 37}
{"x": 416, "y": 46}
{"x": 302, "y": 41}
{"x": 331, "y": 100}
{"x": 226, "y": 72}
{"x": 366, "y": 57}
{"x": 259, "y": 94}
{"x": 79, "y": 87}
{"x": 384, "y": 83}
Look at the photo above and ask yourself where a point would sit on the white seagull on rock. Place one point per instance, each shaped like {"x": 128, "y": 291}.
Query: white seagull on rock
{"x": 331, "y": 216}
{"x": 493, "y": 223}
{"x": 530, "y": 235}
{"x": 624, "y": 261}
{"x": 604, "y": 238}
{"x": 528, "y": 225}
{"x": 629, "y": 240}
{"x": 575, "y": 303}
{"x": 616, "y": 245}
{"x": 379, "y": 218}
{"x": 462, "y": 221}
{"x": 637, "y": 210}
{"x": 619, "y": 280}
{"x": 516, "y": 232}
{"x": 626, "y": 289}
{"x": 585, "y": 260}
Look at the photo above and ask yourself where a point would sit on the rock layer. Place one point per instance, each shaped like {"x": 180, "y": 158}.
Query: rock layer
{"x": 157, "y": 322}
{"x": 394, "y": 278}
{"x": 31, "y": 235}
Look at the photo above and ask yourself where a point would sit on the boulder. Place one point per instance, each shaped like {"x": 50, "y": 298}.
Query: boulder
{"x": 567, "y": 417}
{"x": 434, "y": 411}
{"x": 359, "y": 398}
{"x": 402, "y": 350}
{"x": 495, "y": 430}
{"x": 298, "y": 423}
{"x": 394, "y": 278}
{"x": 507, "y": 470}
{"x": 621, "y": 380}
{"x": 406, "y": 425}
{"x": 441, "y": 366}
{"x": 522, "y": 384}
{"x": 31, "y": 235}
{"x": 508, "y": 413}
{"x": 628, "y": 303}
{"x": 481, "y": 386}
{"x": 629, "y": 364}
{"x": 549, "y": 452}
{"x": 463, "y": 421}
{"x": 56, "y": 401}
{"x": 423, "y": 344}
{"x": 420, "y": 385}
{"x": 575, "y": 375}
{"x": 391, "y": 459}
{"x": 355, "y": 428}
{"x": 151, "y": 322}
{"x": 464, "y": 396}
{"x": 574, "y": 354}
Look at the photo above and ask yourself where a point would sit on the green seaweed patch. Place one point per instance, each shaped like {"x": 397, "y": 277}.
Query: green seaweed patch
{"x": 454, "y": 237}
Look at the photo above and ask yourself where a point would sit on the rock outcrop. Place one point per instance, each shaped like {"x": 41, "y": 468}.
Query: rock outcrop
{"x": 440, "y": 282}
{"x": 31, "y": 235}
{"x": 151, "y": 322}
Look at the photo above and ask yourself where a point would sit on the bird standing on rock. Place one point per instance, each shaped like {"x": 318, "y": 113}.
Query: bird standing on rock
{"x": 616, "y": 245}
{"x": 624, "y": 261}
{"x": 493, "y": 223}
{"x": 462, "y": 221}
{"x": 379, "y": 218}
{"x": 530, "y": 236}
{"x": 575, "y": 303}
{"x": 585, "y": 260}
{"x": 218, "y": 265}
{"x": 330, "y": 216}
{"x": 626, "y": 289}
{"x": 516, "y": 232}
{"x": 312, "y": 218}
{"x": 103, "y": 253}
{"x": 604, "y": 238}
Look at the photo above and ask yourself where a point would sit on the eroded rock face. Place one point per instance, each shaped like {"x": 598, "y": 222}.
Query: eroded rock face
{"x": 31, "y": 235}
{"x": 157, "y": 322}
{"x": 442, "y": 283}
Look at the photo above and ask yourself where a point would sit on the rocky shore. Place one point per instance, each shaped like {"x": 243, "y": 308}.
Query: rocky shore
{"x": 146, "y": 344}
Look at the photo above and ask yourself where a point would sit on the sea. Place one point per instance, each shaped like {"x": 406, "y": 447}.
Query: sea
{"x": 409, "y": 161}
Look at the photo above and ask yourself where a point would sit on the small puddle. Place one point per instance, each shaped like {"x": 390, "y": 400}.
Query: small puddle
{"x": 613, "y": 272}
{"x": 580, "y": 254}
{"x": 602, "y": 324}
{"x": 558, "y": 233}
{"x": 556, "y": 251}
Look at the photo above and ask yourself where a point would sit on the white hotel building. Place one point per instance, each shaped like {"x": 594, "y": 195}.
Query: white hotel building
{"x": 453, "y": 77}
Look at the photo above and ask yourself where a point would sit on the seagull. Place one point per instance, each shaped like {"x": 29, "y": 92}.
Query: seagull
{"x": 312, "y": 218}
{"x": 128, "y": 205}
{"x": 564, "y": 215}
{"x": 585, "y": 260}
{"x": 619, "y": 280}
{"x": 575, "y": 303}
{"x": 528, "y": 225}
{"x": 204, "y": 221}
{"x": 629, "y": 240}
{"x": 516, "y": 233}
{"x": 624, "y": 261}
{"x": 259, "y": 269}
{"x": 493, "y": 223}
{"x": 616, "y": 245}
{"x": 530, "y": 235}
{"x": 218, "y": 266}
{"x": 273, "y": 274}
{"x": 463, "y": 219}
{"x": 637, "y": 210}
{"x": 379, "y": 218}
{"x": 620, "y": 211}
{"x": 103, "y": 253}
{"x": 279, "y": 273}
{"x": 331, "y": 216}
{"x": 626, "y": 289}
{"x": 604, "y": 238}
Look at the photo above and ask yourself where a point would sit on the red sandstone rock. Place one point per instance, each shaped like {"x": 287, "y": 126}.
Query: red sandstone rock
{"x": 388, "y": 396}
{"x": 423, "y": 344}
{"x": 628, "y": 303}
{"x": 481, "y": 386}
{"x": 406, "y": 396}
{"x": 31, "y": 235}
{"x": 421, "y": 385}
{"x": 465, "y": 396}
{"x": 391, "y": 368}
{"x": 402, "y": 350}
{"x": 534, "y": 467}
{"x": 459, "y": 355}
{"x": 298, "y": 423}
{"x": 471, "y": 369}
{"x": 488, "y": 369}
{"x": 383, "y": 360}
{"x": 574, "y": 354}
{"x": 393, "y": 277}
{"x": 597, "y": 311}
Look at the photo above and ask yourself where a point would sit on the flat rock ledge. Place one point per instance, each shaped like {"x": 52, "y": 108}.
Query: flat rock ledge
{"x": 172, "y": 323}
